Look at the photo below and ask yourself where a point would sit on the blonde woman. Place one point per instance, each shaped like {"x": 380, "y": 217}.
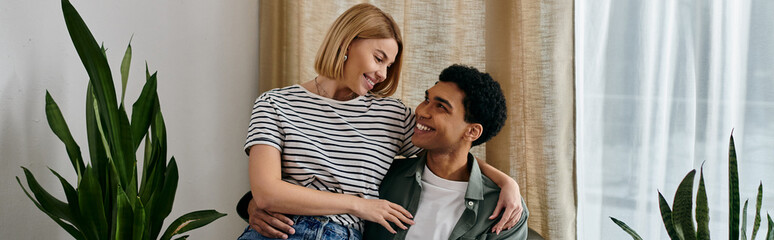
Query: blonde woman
{"x": 319, "y": 150}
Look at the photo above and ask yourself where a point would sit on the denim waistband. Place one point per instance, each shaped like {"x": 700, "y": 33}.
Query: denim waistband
{"x": 324, "y": 226}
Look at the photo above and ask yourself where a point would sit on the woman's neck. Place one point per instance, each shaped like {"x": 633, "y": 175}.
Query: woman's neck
{"x": 329, "y": 88}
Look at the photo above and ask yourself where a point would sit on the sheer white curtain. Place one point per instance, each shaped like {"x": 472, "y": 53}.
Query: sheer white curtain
{"x": 660, "y": 86}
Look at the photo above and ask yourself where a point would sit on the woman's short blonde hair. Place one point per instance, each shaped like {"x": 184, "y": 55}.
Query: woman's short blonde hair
{"x": 360, "y": 21}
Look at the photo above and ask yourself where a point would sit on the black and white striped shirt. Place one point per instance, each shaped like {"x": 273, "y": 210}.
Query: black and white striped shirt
{"x": 329, "y": 145}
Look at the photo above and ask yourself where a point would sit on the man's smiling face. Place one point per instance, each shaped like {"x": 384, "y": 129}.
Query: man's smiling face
{"x": 441, "y": 118}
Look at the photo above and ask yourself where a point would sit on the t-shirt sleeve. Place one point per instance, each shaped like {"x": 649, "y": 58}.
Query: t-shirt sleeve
{"x": 407, "y": 147}
{"x": 264, "y": 125}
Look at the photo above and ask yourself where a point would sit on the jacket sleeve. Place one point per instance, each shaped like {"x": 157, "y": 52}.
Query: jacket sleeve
{"x": 241, "y": 206}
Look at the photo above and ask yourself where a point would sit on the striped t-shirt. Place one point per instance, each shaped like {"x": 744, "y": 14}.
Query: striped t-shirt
{"x": 329, "y": 145}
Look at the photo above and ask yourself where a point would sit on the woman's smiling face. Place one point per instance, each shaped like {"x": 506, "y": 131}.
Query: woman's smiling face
{"x": 367, "y": 63}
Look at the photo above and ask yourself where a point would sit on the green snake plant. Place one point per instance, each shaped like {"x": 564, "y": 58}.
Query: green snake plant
{"x": 110, "y": 200}
{"x": 679, "y": 220}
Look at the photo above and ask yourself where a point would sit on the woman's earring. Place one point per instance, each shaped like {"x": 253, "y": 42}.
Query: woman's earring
{"x": 345, "y": 57}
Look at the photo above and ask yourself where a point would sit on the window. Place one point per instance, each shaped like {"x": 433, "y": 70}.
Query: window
{"x": 660, "y": 86}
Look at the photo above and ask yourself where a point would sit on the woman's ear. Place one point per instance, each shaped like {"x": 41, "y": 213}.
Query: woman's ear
{"x": 473, "y": 132}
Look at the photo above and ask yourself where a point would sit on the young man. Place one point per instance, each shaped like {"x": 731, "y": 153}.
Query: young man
{"x": 444, "y": 189}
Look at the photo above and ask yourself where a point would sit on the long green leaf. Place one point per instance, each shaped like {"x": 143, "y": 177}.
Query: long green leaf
{"x": 107, "y": 178}
{"x": 96, "y": 139}
{"x": 91, "y": 205}
{"x": 149, "y": 149}
{"x": 66, "y": 226}
{"x": 733, "y": 193}
{"x": 153, "y": 191}
{"x": 113, "y": 196}
{"x": 125, "y": 63}
{"x": 198, "y": 219}
{"x": 101, "y": 82}
{"x": 770, "y": 234}
{"x": 682, "y": 214}
{"x": 154, "y": 166}
{"x": 153, "y": 174}
{"x": 124, "y": 217}
{"x": 131, "y": 190}
{"x": 57, "y": 123}
{"x": 757, "y": 221}
{"x": 72, "y": 201}
{"x": 621, "y": 224}
{"x": 96, "y": 65}
{"x": 159, "y": 129}
{"x": 139, "y": 220}
{"x": 143, "y": 110}
{"x": 147, "y": 155}
{"x": 666, "y": 216}
{"x": 702, "y": 210}
{"x": 150, "y": 217}
{"x": 146, "y": 182}
{"x": 93, "y": 59}
{"x": 50, "y": 203}
{"x": 165, "y": 198}
{"x": 102, "y": 133}
{"x": 125, "y": 164}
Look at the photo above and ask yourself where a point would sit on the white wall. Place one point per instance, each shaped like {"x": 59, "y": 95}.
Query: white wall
{"x": 206, "y": 53}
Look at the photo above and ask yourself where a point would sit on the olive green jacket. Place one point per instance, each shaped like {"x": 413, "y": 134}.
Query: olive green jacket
{"x": 403, "y": 185}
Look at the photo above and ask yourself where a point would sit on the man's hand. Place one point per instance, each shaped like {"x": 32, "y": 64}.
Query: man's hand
{"x": 268, "y": 224}
{"x": 510, "y": 204}
{"x": 382, "y": 212}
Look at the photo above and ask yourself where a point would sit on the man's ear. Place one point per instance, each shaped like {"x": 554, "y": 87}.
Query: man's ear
{"x": 473, "y": 131}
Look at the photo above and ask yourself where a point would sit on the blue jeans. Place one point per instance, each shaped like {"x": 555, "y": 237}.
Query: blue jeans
{"x": 311, "y": 228}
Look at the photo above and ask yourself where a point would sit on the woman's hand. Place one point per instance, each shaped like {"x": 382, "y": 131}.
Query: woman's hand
{"x": 268, "y": 224}
{"x": 510, "y": 204}
{"x": 382, "y": 212}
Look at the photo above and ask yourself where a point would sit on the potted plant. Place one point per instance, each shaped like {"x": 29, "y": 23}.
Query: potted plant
{"x": 679, "y": 220}
{"x": 110, "y": 200}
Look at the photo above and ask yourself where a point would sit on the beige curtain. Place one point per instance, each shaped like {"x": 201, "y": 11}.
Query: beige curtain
{"x": 526, "y": 45}
{"x": 530, "y": 51}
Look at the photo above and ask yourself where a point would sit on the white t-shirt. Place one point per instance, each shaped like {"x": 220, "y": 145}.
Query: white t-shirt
{"x": 440, "y": 207}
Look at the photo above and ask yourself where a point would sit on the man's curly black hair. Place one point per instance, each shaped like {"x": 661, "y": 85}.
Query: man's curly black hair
{"x": 484, "y": 100}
